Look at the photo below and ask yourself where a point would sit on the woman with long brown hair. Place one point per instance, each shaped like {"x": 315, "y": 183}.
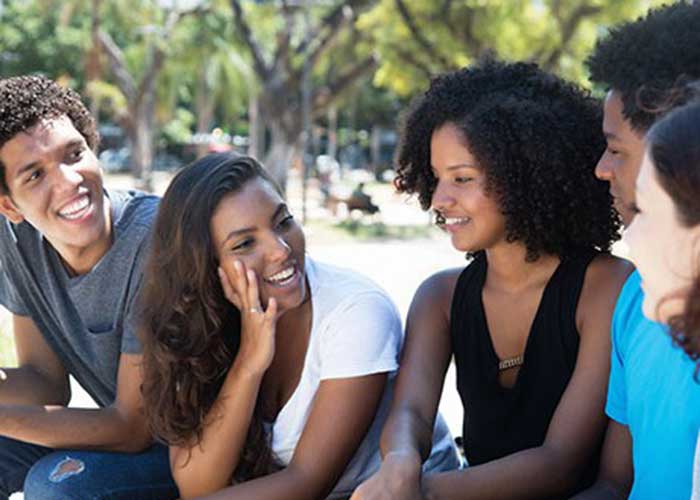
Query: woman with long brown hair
{"x": 267, "y": 373}
{"x": 664, "y": 241}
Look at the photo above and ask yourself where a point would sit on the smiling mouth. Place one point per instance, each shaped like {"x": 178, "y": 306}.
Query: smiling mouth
{"x": 284, "y": 277}
{"x": 77, "y": 208}
{"x": 451, "y": 223}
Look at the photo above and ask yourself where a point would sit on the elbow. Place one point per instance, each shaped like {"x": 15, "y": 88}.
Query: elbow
{"x": 564, "y": 471}
{"x": 133, "y": 436}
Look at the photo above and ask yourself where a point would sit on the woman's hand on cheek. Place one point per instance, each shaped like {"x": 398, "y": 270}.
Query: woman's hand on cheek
{"x": 257, "y": 346}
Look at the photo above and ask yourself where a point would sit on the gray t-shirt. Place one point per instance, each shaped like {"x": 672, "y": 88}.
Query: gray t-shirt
{"x": 87, "y": 320}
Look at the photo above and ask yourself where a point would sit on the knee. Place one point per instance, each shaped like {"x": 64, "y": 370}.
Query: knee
{"x": 57, "y": 477}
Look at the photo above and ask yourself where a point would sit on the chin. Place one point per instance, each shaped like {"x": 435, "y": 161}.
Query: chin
{"x": 650, "y": 309}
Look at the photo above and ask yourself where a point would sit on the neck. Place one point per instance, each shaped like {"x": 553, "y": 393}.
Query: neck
{"x": 81, "y": 260}
{"x": 508, "y": 270}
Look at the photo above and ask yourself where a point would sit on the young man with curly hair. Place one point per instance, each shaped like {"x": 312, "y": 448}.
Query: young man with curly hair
{"x": 70, "y": 267}
{"x": 653, "y": 399}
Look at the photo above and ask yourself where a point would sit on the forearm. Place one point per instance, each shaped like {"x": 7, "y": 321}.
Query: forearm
{"x": 287, "y": 484}
{"x": 601, "y": 490}
{"x": 27, "y": 386}
{"x": 207, "y": 467}
{"x": 60, "y": 427}
{"x": 407, "y": 433}
{"x": 533, "y": 473}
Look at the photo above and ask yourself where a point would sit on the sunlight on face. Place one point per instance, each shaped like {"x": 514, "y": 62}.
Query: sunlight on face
{"x": 663, "y": 250}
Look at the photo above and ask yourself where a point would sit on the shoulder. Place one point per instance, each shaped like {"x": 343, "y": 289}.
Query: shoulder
{"x": 439, "y": 288}
{"x": 133, "y": 208}
{"x": 337, "y": 290}
{"x": 432, "y": 301}
{"x": 604, "y": 279}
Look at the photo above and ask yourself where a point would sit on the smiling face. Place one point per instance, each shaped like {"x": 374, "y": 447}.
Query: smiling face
{"x": 622, "y": 158}
{"x": 471, "y": 216}
{"x": 664, "y": 251}
{"x": 55, "y": 184}
{"x": 254, "y": 226}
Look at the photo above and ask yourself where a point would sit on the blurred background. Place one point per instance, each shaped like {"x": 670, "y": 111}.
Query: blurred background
{"x": 313, "y": 88}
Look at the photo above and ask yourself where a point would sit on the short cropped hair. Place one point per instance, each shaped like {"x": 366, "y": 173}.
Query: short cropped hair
{"x": 26, "y": 100}
{"x": 645, "y": 58}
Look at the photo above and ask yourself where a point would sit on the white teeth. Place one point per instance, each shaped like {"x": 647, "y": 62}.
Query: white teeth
{"x": 283, "y": 275}
{"x": 75, "y": 209}
{"x": 456, "y": 220}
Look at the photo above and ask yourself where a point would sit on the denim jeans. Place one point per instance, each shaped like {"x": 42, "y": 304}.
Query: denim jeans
{"x": 46, "y": 474}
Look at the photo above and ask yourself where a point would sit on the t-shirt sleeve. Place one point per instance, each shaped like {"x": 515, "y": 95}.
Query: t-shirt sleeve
{"x": 363, "y": 337}
{"x": 616, "y": 406}
{"x": 9, "y": 296}
{"x": 131, "y": 344}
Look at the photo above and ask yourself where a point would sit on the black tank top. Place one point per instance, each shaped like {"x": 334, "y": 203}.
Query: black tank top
{"x": 499, "y": 421}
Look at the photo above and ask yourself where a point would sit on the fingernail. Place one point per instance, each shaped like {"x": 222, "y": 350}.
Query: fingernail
{"x": 237, "y": 265}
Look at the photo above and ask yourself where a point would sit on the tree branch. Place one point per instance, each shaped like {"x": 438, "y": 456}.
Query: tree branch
{"x": 418, "y": 34}
{"x": 117, "y": 64}
{"x": 242, "y": 24}
{"x": 567, "y": 30}
{"x": 409, "y": 58}
{"x": 325, "y": 95}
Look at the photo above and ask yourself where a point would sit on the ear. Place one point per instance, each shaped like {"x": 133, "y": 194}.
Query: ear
{"x": 10, "y": 210}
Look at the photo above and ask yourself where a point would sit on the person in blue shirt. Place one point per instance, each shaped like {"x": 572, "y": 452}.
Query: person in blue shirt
{"x": 653, "y": 400}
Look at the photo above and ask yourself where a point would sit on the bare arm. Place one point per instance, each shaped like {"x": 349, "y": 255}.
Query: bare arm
{"x": 578, "y": 421}
{"x": 342, "y": 412}
{"x": 118, "y": 427}
{"x": 407, "y": 435}
{"x": 39, "y": 378}
{"x": 616, "y": 472}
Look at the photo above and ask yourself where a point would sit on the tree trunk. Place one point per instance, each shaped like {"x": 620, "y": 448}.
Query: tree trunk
{"x": 375, "y": 148}
{"x": 256, "y": 130}
{"x": 333, "y": 131}
{"x": 279, "y": 157}
{"x": 142, "y": 144}
{"x": 205, "y": 111}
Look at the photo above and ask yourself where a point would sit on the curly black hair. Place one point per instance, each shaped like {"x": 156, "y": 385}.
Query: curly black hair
{"x": 642, "y": 59}
{"x": 538, "y": 139}
{"x": 25, "y": 100}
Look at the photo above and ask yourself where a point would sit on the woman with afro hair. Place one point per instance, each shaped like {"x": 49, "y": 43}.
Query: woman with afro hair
{"x": 504, "y": 154}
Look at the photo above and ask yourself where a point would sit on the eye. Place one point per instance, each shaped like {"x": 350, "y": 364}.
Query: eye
{"x": 76, "y": 154}
{"x": 286, "y": 222}
{"x": 246, "y": 244}
{"x": 33, "y": 176}
{"x": 632, "y": 207}
{"x": 463, "y": 180}
{"x": 612, "y": 151}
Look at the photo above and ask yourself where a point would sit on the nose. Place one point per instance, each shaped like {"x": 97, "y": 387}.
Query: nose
{"x": 68, "y": 178}
{"x": 279, "y": 249}
{"x": 442, "y": 199}
{"x": 604, "y": 169}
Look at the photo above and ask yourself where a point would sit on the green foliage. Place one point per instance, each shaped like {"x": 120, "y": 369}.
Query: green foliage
{"x": 42, "y": 37}
{"x": 558, "y": 34}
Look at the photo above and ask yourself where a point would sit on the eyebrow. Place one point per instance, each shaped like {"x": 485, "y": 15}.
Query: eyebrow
{"x": 458, "y": 166}
{"x": 610, "y": 135}
{"x": 282, "y": 207}
{"x": 30, "y": 166}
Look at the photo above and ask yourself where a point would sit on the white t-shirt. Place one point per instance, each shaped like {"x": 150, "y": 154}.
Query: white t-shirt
{"x": 355, "y": 331}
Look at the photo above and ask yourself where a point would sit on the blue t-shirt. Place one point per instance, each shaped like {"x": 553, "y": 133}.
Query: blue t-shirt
{"x": 653, "y": 391}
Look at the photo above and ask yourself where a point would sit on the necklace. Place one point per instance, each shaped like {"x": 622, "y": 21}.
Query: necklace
{"x": 510, "y": 363}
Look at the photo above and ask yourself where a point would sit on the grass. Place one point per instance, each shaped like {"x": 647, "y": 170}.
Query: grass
{"x": 7, "y": 346}
{"x": 361, "y": 230}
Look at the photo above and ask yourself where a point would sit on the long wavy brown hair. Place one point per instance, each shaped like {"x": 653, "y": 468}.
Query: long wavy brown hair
{"x": 674, "y": 147}
{"x": 190, "y": 332}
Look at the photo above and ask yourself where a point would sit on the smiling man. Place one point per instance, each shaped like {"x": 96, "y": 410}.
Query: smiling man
{"x": 653, "y": 398}
{"x": 70, "y": 268}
